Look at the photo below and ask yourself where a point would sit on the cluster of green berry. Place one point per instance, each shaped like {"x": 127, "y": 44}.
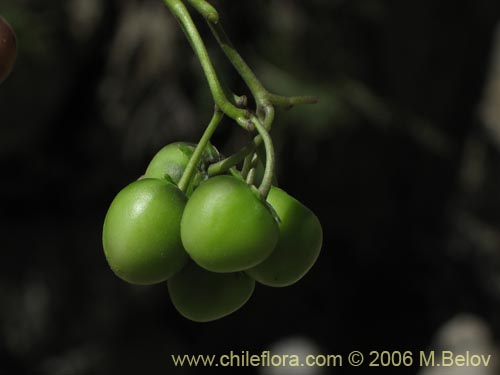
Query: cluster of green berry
{"x": 210, "y": 243}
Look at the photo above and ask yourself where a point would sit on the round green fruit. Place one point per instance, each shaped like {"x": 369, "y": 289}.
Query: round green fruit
{"x": 299, "y": 244}
{"x": 227, "y": 227}
{"x": 203, "y": 296}
{"x": 171, "y": 161}
{"x": 141, "y": 233}
{"x": 8, "y": 48}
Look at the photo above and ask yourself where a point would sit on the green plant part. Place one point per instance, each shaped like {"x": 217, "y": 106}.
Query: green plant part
{"x": 299, "y": 244}
{"x": 204, "y": 296}
{"x": 141, "y": 233}
{"x": 257, "y": 173}
{"x": 171, "y": 161}
{"x": 8, "y": 48}
{"x": 227, "y": 227}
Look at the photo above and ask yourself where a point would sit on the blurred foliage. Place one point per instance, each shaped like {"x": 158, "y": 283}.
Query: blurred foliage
{"x": 393, "y": 159}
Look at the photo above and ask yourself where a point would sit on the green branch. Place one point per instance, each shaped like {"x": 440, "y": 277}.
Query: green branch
{"x": 229, "y": 103}
{"x": 198, "y": 151}
{"x": 260, "y": 93}
{"x": 267, "y": 180}
{"x": 178, "y": 9}
{"x": 236, "y": 158}
{"x": 206, "y": 10}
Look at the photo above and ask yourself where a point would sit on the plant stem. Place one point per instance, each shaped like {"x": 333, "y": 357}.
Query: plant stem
{"x": 247, "y": 165}
{"x": 258, "y": 91}
{"x": 231, "y": 161}
{"x": 181, "y": 13}
{"x": 265, "y": 101}
{"x": 251, "y": 168}
{"x": 198, "y": 151}
{"x": 236, "y": 173}
{"x": 251, "y": 176}
{"x": 267, "y": 180}
{"x": 205, "y": 9}
{"x": 236, "y": 158}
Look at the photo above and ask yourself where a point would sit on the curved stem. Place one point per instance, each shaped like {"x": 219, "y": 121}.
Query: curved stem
{"x": 251, "y": 80}
{"x": 260, "y": 93}
{"x": 264, "y": 100}
{"x": 206, "y": 10}
{"x": 236, "y": 173}
{"x": 252, "y": 167}
{"x": 181, "y": 13}
{"x": 267, "y": 180}
{"x": 228, "y": 163}
{"x": 223, "y": 165}
{"x": 198, "y": 151}
{"x": 247, "y": 165}
{"x": 269, "y": 113}
{"x": 251, "y": 176}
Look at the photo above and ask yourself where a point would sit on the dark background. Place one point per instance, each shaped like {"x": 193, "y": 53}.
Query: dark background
{"x": 396, "y": 160}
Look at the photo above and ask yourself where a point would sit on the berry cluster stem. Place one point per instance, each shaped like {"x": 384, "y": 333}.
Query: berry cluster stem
{"x": 198, "y": 151}
{"x": 181, "y": 13}
{"x": 224, "y": 165}
{"x": 228, "y": 103}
